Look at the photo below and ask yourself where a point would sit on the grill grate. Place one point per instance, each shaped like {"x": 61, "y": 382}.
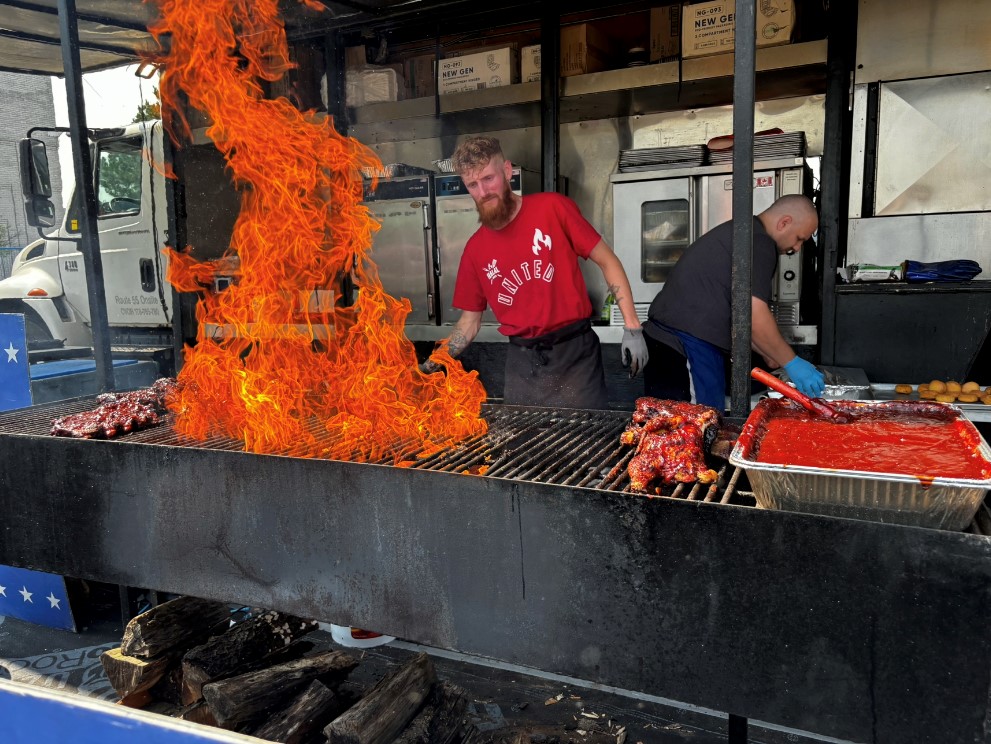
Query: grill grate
{"x": 555, "y": 446}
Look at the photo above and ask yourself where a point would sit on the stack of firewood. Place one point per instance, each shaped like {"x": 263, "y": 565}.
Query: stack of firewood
{"x": 258, "y": 676}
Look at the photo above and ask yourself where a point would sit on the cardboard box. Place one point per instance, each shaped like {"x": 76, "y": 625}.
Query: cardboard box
{"x": 584, "y": 49}
{"x": 421, "y": 81}
{"x": 372, "y": 84}
{"x": 478, "y": 49}
{"x": 476, "y": 71}
{"x": 530, "y": 64}
{"x": 665, "y": 32}
{"x": 709, "y": 28}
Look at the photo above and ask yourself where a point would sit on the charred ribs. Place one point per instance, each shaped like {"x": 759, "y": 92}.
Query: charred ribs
{"x": 671, "y": 438}
{"x": 118, "y": 413}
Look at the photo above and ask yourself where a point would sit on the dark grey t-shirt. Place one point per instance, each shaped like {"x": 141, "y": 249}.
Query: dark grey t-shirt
{"x": 697, "y": 297}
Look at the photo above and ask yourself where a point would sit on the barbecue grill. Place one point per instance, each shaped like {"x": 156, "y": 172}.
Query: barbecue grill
{"x": 853, "y": 629}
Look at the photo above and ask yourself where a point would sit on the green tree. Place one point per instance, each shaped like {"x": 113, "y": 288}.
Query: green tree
{"x": 149, "y": 110}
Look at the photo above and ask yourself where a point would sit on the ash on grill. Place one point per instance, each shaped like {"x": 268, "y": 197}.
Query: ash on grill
{"x": 118, "y": 413}
{"x": 262, "y": 676}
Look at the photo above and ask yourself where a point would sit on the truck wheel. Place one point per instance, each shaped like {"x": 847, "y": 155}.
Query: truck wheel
{"x": 36, "y": 331}
{"x": 38, "y": 335}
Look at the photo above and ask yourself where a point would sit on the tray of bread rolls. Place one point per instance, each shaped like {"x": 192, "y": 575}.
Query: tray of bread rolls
{"x": 972, "y": 397}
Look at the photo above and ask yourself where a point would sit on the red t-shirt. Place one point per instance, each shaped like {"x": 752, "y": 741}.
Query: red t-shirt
{"x": 528, "y": 271}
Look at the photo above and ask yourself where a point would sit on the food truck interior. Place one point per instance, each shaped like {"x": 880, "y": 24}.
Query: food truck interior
{"x": 845, "y": 625}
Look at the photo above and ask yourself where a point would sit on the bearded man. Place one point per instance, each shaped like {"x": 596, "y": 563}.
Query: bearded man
{"x": 523, "y": 263}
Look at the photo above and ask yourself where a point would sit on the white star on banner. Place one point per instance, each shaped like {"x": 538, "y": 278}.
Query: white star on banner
{"x": 11, "y": 352}
{"x": 53, "y": 600}
{"x": 26, "y": 594}
{"x": 3, "y": 591}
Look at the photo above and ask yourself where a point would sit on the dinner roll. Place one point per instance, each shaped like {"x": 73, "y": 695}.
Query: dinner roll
{"x": 903, "y": 389}
{"x": 946, "y": 397}
{"x": 928, "y": 394}
{"x": 937, "y": 386}
{"x": 986, "y": 400}
{"x": 970, "y": 387}
{"x": 953, "y": 386}
{"x": 967, "y": 398}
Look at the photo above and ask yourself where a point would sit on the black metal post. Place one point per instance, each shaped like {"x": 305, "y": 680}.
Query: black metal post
{"x": 743, "y": 203}
{"x": 834, "y": 169}
{"x": 737, "y": 730}
{"x": 83, "y": 166}
{"x": 175, "y": 205}
{"x": 550, "y": 95}
{"x": 336, "y": 81}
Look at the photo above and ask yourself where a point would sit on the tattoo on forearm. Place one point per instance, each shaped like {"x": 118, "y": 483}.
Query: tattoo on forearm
{"x": 614, "y": 291}
{"x": 457, "y": 343}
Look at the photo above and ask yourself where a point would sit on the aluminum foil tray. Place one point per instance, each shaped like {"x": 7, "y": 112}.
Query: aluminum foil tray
{"x": 946, "y": 503}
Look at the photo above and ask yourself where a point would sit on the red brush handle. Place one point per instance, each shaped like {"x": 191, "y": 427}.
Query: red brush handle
{"x": 814, "y": 406}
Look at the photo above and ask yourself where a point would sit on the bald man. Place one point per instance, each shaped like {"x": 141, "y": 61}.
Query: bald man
{"x": 689, "y": 327}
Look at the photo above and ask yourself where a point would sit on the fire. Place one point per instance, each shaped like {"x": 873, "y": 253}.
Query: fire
{"x": 279, "y": 362}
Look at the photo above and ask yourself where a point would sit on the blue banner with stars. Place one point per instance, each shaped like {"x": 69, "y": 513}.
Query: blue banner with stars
{"x": 15, "y": 374}
{"x": 36, "y": 597}
{"x": 28, "y": 595}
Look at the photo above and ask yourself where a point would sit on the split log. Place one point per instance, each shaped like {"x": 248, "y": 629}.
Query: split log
{"x": 308, "y": 713}
{"x": 242, "y": 701}
{"x": 442, "y": 719}
{"x": 140, "y": 699}
{"x": 237, "y": 650}
{"x": 172, "y": 627}
{"x": 169, "y": 687}
{"x": 128, "y": 674}
{"x": 385, "y": 711}
{"x": 198, "y": 713}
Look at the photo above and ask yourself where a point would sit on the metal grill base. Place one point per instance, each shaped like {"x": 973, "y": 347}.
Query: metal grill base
{"x": 851, "y": 629}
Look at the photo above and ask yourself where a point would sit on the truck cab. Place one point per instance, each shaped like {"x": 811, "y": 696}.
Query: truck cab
{"x": 48, "y": 279}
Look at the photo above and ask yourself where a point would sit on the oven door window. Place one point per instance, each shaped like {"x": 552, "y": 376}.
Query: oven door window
{"x": 664, "y": 237}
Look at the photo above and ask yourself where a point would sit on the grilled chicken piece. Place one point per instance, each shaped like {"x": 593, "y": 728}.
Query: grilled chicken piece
{"x": 671, "y": 438}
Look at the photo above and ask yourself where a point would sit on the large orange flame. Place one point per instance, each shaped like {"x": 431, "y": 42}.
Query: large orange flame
{"x": 276, "y": 364}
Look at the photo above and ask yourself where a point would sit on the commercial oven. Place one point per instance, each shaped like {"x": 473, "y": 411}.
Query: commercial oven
{"x": 457, "y": 220}
{"x": 658, "y": 213}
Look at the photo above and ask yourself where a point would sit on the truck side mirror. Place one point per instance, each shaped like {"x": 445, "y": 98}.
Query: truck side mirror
{"x": 36, "y": 183}
{"x": 36, "y": 179}
{"x": 40, "y": 211}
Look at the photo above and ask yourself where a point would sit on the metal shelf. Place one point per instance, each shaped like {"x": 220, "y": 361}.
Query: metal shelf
{"x": 790, "y": 70}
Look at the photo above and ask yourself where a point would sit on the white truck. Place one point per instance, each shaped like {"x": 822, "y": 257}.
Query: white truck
{"x": 48, "y": 281}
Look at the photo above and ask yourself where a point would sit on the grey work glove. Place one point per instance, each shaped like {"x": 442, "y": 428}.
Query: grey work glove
{"x": 634, "y": 350}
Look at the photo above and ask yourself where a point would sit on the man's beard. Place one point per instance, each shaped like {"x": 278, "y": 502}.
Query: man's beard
{"x": 495, "y": 212}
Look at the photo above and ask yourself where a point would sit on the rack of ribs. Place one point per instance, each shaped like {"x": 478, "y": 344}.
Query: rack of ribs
{"x": 118, "y": 413}
{"x": 671, "y": 440}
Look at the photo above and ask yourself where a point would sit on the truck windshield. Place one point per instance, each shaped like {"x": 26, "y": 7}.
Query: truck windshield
{"x": 118, "y": 177}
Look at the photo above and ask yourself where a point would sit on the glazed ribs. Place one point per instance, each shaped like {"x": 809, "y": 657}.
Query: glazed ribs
{"x": 671, "y": 440}
{"x": 118, "y": 413}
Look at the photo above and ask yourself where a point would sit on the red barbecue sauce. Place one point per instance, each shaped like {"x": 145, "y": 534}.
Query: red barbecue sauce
{"x": 924, "y": 441}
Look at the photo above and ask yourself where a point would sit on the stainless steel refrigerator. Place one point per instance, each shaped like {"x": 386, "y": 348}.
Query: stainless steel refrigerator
{"x": 403, "y": 249}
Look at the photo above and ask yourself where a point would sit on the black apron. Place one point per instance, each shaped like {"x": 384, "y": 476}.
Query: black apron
{"x": 561, "y": 369}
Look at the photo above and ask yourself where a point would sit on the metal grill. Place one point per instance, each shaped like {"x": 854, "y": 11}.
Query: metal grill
{"x": 555, "y": 446}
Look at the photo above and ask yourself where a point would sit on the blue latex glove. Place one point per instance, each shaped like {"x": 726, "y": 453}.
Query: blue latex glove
{"x": 634, "y": 350}
{"x": 806, "y": 377}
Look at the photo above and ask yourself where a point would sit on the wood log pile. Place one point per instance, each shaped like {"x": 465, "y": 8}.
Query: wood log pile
{"x": 185, "y": 658}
